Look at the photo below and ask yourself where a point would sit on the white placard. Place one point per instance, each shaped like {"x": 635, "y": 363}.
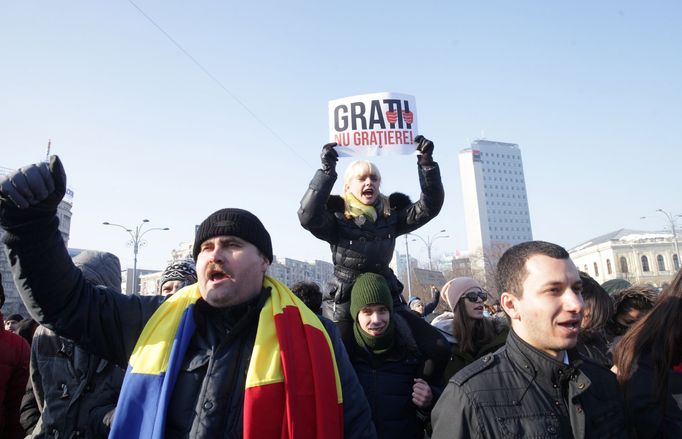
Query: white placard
{"x": 373, "y": 124}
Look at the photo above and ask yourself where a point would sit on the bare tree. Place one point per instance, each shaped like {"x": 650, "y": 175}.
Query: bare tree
{"x": 484, "y": 266}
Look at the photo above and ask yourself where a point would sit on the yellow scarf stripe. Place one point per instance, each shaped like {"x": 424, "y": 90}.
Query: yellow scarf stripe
{"x": 153, "y": 347}
{"x": 265, "y": 366}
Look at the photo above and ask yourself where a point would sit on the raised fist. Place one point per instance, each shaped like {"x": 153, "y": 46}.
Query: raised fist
{"x": 329, "y": 157}
{"x": 425, "y": 149}
{"x": 36, "y": 189}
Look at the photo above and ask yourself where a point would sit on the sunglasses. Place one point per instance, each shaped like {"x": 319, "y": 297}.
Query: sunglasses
{"x": 473, "y": 296}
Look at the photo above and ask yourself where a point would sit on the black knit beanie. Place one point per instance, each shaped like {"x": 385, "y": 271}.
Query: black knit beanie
{"x": 236, "y": 222}
{"x": 369, "y": 288}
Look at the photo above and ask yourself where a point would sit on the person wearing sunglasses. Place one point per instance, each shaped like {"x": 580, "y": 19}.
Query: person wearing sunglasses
{"x": 537, "y": 384}
{"x": 472, "y": 334}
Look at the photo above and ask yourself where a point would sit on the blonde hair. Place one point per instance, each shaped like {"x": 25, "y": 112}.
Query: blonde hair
{"x": 363, "y": 168}
{"x": 360, "y": 167}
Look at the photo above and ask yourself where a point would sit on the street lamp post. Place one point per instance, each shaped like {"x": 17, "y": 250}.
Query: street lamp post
{"x": 671, "y": 219}
{"x": 409, "y": 282}
{"x": 428, "y": 242}
{"x": 136, "y": 241}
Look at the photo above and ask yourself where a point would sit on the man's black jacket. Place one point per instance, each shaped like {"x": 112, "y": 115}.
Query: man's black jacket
{"x": 521, "y": 392}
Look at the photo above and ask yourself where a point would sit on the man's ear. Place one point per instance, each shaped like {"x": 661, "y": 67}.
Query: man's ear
{"x": 509, "y": 303}
{"x": 264, "y": 263}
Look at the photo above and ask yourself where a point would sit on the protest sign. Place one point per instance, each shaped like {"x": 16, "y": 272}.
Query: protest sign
{"x": 373, "y": 124}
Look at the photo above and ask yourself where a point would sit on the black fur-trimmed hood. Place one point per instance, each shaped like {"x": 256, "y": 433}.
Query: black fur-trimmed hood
{"x": 396, "y": 200}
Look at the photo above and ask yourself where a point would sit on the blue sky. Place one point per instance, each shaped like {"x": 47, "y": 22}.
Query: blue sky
{"x": 590, "y": 91}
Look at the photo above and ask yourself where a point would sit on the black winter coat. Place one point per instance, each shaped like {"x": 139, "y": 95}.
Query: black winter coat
{"x": 74, "y": 391}
{"x": 520, "y": 392}
{"x": 596, "y": 348}
{"x": 649, "y": 418}
{"x": 359, "y": 245}
{"x": 208, "y": 396}
{"x": 388, "y": 380}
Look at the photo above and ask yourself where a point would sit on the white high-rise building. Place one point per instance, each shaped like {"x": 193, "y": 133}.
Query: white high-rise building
{"x": 495, "y": 200}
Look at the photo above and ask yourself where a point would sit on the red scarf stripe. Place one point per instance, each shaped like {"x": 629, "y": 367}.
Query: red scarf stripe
{"x": 329, "y": 410}
{"x": 269, "y": 420}
{"x": 312, "y": 406}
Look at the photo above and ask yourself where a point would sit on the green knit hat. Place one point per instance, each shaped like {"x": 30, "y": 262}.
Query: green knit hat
{"x": 370, "y": 288}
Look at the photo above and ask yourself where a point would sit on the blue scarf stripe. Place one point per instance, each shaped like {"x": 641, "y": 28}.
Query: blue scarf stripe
{"x": 147, "y": 396}
{"x": 132, "y": 420}
{"x": 178, "y": 350}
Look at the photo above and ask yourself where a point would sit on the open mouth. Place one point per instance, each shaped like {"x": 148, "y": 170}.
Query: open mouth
{"x": 368, "y": 193}
{"x": 571, "y": 325}
{"x": 478, "y": 308}
{"x": 217, "y": 274}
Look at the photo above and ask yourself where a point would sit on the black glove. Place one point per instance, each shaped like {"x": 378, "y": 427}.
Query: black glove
{"x": 329, "y": 157}
{"x": 33, "y": 192}
{"x": 425, "y": 148}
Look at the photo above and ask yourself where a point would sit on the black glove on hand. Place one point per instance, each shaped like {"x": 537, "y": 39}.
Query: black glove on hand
{"x": 425, "y": 148}
{"x": 329, "y": 157}
{"x": 33, "y": 192}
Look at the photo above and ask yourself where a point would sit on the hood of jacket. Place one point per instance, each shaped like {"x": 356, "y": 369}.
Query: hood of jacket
{"x": 100, "y": 268}
{"x": 443, "y": 322}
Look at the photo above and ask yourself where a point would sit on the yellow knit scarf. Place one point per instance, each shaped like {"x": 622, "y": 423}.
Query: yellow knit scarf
{"x": 355, "y": 207}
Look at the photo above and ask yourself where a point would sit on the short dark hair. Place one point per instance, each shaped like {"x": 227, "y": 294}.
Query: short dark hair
{"x": 511, "y": 268}
{"x": 310, "y": 294}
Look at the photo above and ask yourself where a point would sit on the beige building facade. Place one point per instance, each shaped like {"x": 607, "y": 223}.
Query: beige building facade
{"x": 637, "y": 256}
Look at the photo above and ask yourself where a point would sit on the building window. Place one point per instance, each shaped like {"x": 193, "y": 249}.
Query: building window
{"x": 596, "y": 269}
{"x": 661, "y": 263}
{"x": 608, "y": 266}
{"x": 645, "y": 264}
{"x": 623, "y": 264}
{"x": 676, "y": 262}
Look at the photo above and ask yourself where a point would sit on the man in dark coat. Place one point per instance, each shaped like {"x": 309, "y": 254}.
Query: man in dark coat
{"x": 74, "y": 391}
{"x": 206, "y": 394}
{"x": 416, "y": 304}
{"x": 536, "y": 385}
{"x": 388, "y": 362}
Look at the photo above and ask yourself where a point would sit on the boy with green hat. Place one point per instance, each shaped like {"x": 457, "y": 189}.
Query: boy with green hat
{"x": 389, "y": 364}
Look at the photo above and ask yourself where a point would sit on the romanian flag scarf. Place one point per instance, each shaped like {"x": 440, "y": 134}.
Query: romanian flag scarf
{"x": 292, "y": 389}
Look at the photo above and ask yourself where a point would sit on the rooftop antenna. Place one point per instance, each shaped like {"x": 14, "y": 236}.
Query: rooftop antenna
{"x": 49, "y": 144}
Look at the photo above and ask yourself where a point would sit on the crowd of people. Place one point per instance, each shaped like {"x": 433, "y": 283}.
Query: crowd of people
{"x": 224, "y": 350}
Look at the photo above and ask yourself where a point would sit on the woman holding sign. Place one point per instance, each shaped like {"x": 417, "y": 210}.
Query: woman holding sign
{"x": 361, "y": 226}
